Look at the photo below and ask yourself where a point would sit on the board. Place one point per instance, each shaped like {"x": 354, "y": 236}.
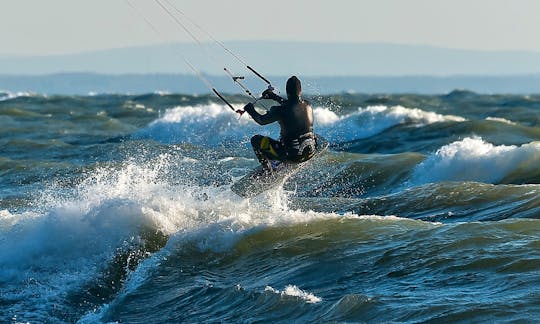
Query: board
{"x": 257, "y": 181}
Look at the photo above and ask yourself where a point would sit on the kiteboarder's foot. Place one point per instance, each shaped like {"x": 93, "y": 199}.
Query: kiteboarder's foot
{"x": 275, "y": 164}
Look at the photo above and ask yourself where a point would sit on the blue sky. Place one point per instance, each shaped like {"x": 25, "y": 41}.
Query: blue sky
{"x": 36, "y": 27}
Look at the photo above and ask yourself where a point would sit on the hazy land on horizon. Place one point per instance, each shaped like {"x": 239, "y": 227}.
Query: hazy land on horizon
{"x": 325, "y": 67}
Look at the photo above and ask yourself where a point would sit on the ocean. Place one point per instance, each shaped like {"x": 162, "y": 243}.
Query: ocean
{"x": 118, "y": 208}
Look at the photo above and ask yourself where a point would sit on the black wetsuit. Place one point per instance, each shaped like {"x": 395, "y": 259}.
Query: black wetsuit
{"x": 295, "y": 117}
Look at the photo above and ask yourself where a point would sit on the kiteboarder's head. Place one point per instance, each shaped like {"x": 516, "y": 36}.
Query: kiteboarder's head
{"x": 294, "y": 87}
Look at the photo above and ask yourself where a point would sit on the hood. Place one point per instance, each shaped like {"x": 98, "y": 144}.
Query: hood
{"x": 294, "y": 88}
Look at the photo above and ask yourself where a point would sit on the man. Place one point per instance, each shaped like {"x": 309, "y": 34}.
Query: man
{"x": 295, "y": 117}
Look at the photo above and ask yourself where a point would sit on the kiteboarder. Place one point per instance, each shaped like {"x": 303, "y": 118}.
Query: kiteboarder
{"x": 296, "y": 143}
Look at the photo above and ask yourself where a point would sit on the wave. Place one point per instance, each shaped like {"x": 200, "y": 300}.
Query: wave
{"x": 69, "y": 239}
{"x": 185, "y": 252}
{"x": 209, "y": 124}
{"x": 443, "y": 202}
{"x": 8, "y": 95}
{"x": 373, "y": 120}
{"x": 97, "y": 233}
{"x": 334, "y": 259}
{"x": 473, "y": 159}
{"x": 214, "y": 124}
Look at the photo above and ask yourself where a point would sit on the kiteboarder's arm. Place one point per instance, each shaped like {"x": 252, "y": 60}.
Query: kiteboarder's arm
{"x": 270, "y": 116}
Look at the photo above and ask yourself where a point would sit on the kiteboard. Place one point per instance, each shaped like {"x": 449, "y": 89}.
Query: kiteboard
{"x": 258, "y": 181}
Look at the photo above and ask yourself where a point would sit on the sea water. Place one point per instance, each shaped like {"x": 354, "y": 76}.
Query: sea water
{"x": 118, "y": 208}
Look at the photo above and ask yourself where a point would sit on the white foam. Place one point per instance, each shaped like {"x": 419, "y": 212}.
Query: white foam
{"x": 473, "y": 159}
{"x": 7, "y": 219}
{"x": 325, "y": 116}
{"x": 294, "y": 291}
{"x": 501, "y": 120}
{"x": 7, "y": 95}
{"x": 162, "y": 92}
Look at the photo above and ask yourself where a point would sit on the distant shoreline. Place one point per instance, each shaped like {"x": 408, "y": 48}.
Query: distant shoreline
{"x": 86, "y": 83}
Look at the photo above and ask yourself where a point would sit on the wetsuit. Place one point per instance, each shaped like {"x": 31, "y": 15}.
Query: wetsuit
{"x": 295, "y": 117}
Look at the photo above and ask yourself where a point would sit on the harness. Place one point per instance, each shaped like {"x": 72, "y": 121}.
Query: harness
{"x": 301, "y": 148}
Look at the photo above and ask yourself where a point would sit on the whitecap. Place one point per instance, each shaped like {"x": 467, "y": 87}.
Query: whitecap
{"x": 294, "y": 291}
{"x": 473, "y": 159}
{"x": 501, "y": 120}
{"x": 372, "y": 120}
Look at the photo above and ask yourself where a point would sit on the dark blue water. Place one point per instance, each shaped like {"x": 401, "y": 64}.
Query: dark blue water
{"x": 117, "y": 208}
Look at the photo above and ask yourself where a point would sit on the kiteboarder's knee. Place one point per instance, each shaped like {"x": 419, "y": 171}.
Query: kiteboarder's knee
{"x": 256, "y": 141}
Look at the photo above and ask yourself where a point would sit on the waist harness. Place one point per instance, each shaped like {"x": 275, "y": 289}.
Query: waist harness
{"x": 301, "y": 148}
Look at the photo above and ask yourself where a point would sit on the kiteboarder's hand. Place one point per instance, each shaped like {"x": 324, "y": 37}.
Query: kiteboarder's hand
{"x": 249, "y": 107}
{"x": 267, "y": 94}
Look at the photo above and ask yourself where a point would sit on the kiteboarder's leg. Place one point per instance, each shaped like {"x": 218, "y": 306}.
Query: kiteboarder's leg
{"x": 266, "y": 150}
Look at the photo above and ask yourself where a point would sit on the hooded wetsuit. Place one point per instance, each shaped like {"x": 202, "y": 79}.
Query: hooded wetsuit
{"x": 295, "y": 118}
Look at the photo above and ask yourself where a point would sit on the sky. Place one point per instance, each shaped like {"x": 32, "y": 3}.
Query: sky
{"x": 37, "y": 27}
